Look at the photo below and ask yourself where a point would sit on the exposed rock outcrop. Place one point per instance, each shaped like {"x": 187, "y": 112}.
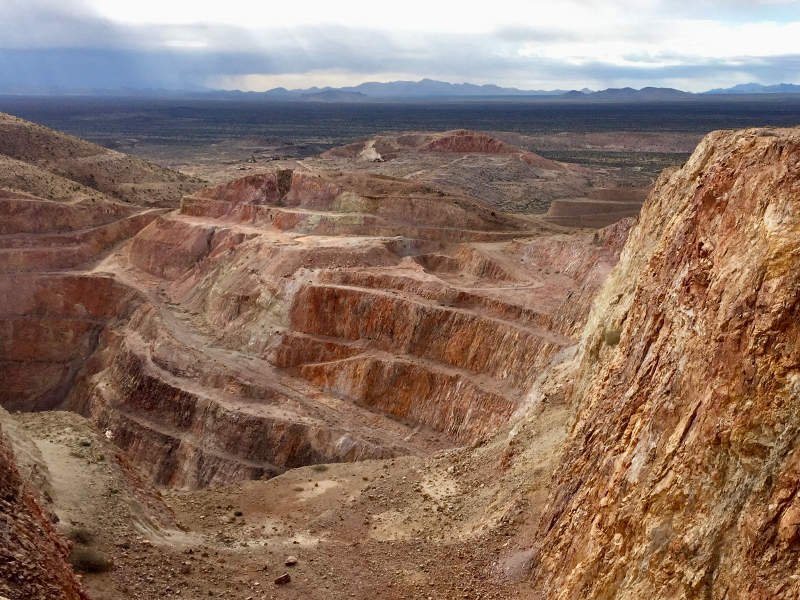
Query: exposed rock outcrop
{"x": 49, "y": 326}
{"x": 680, "y": 474}
{"x": 285, "y": 318}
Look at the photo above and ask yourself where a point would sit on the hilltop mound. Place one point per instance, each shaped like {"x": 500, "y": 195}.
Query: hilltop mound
{"x": 464, "y": 141}
{"x": 509, "y": 178}
{"x": 459, "y": 141}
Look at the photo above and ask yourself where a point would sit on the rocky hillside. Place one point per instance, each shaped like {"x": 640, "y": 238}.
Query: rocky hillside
{"x": 75, "y": 168}
{"x": 679, "y": 478}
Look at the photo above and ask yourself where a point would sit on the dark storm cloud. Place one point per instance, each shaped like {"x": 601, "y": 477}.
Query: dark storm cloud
{"x": 78, "y": 68}
{"x": 49, "y": 23}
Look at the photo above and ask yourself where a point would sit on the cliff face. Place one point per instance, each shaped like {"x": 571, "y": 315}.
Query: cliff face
{"x": 50, "y": 324}
{"x": 681, "y": 474}
{"x": 33, "y": 555}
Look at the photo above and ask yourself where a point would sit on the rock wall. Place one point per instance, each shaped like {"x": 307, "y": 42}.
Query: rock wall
{"x": 33, "y": 555}
{"x": 49, "y": 326}
{"x": 681, "y": 475}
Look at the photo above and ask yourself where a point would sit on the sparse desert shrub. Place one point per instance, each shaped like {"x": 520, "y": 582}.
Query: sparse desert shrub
{"x": 81, "y": 535}
{"x": 611, "y": 336}
{"x": 89, "y": 560}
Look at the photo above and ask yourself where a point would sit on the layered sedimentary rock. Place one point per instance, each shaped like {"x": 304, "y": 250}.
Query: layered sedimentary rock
{"x": 49, "y": 326}
{"x": 292, "y": 318}
{"x": 33, "y": 555}
{"x": 64, "y": 204}
{"x": 680, "y": 476}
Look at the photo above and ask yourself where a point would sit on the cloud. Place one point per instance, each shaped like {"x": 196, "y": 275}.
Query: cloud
{"x": 76, "y": 44}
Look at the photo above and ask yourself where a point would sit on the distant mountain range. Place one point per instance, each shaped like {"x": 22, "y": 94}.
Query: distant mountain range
{"x": 425, "y": 88}
{"x": 429, "y": 88}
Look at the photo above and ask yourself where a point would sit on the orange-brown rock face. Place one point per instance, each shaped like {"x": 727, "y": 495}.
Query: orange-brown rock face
{"x": 33, "y": 556}
{"x": 49, "y": 327}
{"x": 681, "y": 476}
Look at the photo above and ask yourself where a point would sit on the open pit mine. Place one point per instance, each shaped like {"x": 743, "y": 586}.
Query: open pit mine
{"x": 326, "y": 383}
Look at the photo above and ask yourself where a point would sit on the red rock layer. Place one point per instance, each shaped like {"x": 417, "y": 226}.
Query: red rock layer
{"x": 681, "y": 475}
{"x": 49, "y": 327}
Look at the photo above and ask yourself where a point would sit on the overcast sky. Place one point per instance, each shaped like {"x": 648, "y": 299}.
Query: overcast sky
{"x": 256, "y": 45}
